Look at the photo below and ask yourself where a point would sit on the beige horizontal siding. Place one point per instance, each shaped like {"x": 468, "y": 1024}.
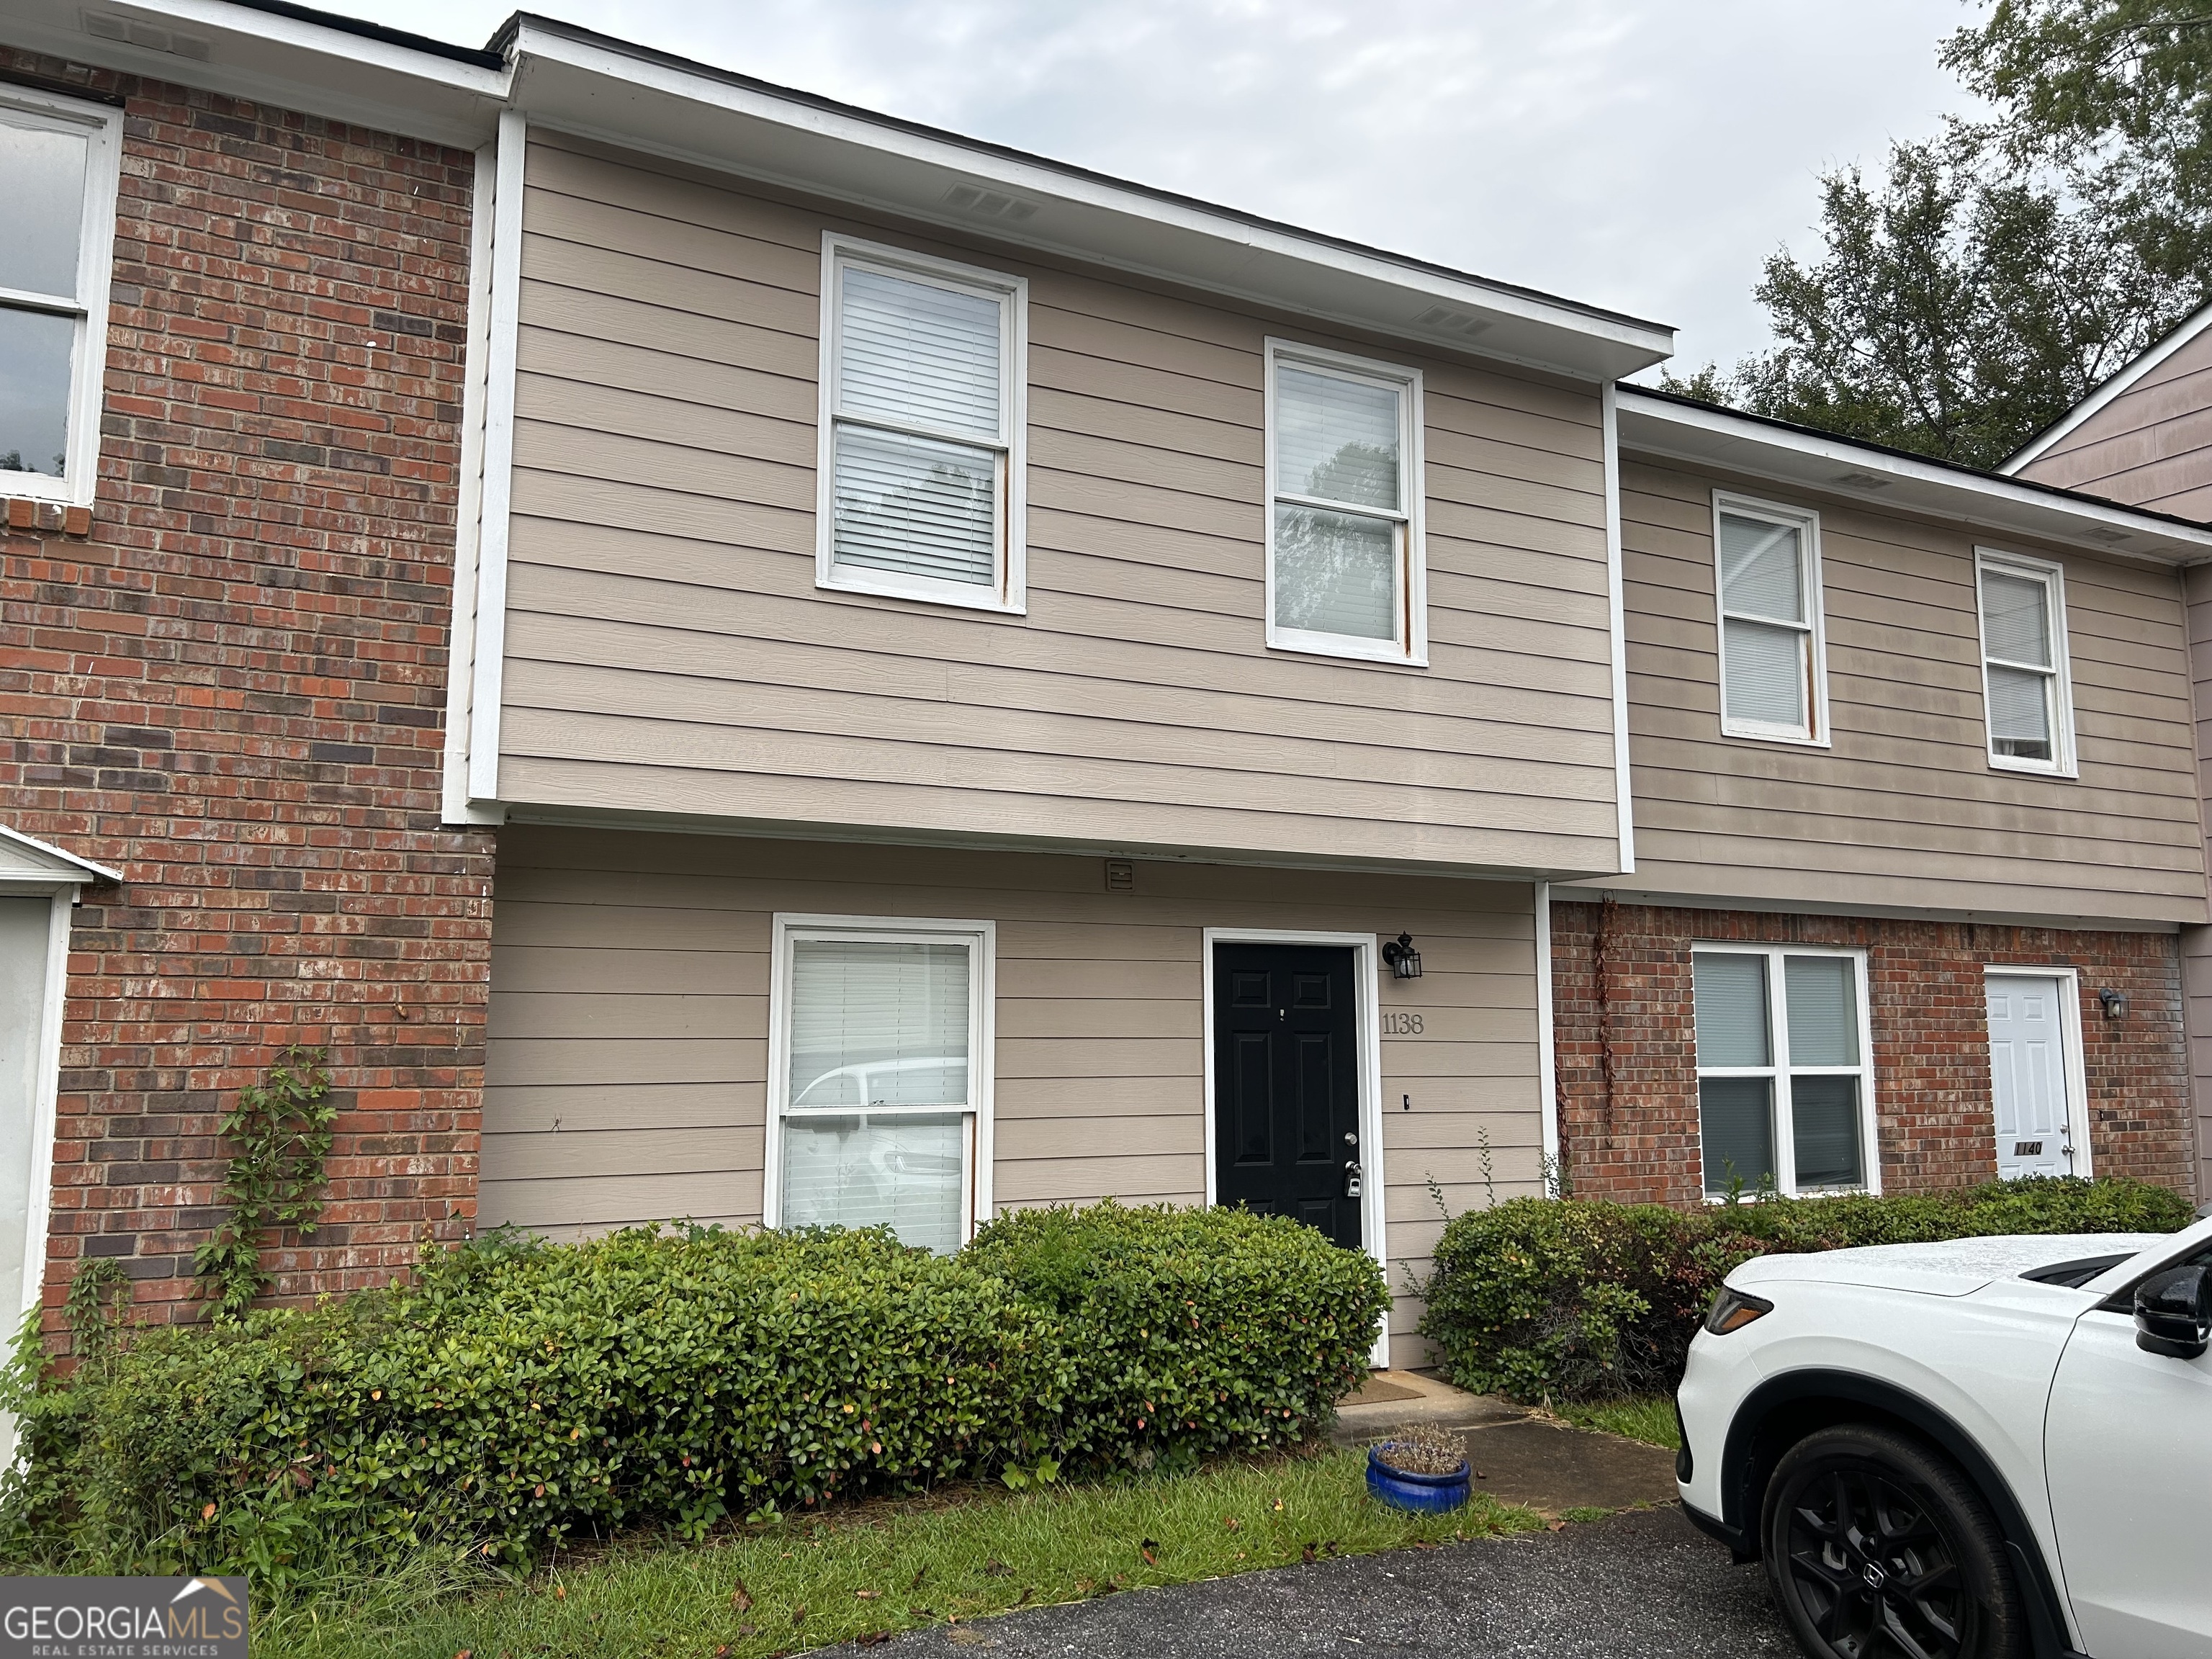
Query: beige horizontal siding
{"x": 626, "y": 1073}
{"x": 2151, "y": 446}
{"x": 666, "y": 649}
{"x": 1904, "y": 810}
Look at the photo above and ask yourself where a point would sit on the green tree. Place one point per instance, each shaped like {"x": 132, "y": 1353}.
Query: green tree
{"x": 1994, "y": 275}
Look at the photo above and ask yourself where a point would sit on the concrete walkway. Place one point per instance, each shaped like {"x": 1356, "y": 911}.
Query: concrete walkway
{"x": 1516, "y": 1455}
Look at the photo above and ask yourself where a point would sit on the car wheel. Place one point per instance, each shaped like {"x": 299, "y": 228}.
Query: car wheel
{"x": 1879, "y": 1548}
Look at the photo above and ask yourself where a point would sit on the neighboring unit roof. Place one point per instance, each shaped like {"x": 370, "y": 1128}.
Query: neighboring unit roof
{"x": 2189, "y": 327}
{"x": 26, "y": 858}
{"x": 1662, "y": 423}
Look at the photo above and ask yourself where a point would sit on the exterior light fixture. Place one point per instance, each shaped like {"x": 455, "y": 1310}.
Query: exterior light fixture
{"x": 2114, "y": 1005}
{"x": 1405, "y": 961}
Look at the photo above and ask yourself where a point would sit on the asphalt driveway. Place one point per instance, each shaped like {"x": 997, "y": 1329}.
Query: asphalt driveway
{"x": 1641, "y": 1585}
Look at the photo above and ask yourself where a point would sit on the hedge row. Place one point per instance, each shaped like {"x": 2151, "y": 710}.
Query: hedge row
{"x": 1586, "y": 1299}
{"x": 515, "y": 1395}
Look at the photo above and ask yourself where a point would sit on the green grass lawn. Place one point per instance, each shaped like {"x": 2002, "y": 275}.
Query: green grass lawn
{"x": 1649, "y": 1418}
{"x": 878, "y": 1567}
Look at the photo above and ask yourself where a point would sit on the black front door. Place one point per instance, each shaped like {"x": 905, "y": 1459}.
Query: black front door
{"x": 1287, "y": 1084}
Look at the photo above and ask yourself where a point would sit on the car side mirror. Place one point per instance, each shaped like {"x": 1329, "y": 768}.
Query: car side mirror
{"x": 2173, "y": 1313}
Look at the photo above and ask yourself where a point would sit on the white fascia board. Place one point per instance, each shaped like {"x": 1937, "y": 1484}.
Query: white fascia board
{"x": 26, "y": 858}
{"x": 2041, "y": 444}
{"x": 594, "y": 89}
{"x": 285, "y": 63}
{"x": 1721, "y": 438}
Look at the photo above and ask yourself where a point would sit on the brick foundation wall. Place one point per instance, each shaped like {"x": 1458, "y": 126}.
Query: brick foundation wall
{"x": 1628, "y": 1054}
{"x": 230, "y": 686}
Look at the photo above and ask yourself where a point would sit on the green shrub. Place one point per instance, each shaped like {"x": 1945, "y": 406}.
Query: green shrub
{"x": 517, "y": 1395}
{"x": 1584, "y": 1299}
{"x": 1202, "y": 1330}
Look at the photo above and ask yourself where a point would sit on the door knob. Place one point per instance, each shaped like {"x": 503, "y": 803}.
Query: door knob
{"x": 1350, "y": 1139}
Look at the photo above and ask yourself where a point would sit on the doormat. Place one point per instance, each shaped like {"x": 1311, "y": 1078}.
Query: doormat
{"x": 1377, "y": 1391}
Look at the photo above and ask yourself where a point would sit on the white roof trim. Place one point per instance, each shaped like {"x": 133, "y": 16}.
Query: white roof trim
{"x": 283, "y": 62}
{"x": 25, "y": 857}
{"x": 1881, "y": 478}
{"x": 626, "y": 96}
{"x": 2117, "y": 386}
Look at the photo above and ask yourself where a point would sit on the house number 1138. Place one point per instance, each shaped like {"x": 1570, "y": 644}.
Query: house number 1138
{"x": 1401, "y": 1026}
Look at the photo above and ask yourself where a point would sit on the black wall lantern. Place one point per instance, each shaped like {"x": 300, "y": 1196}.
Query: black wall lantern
{"x": 1405, "y": 961}
{"x": 2114, "y": 1005}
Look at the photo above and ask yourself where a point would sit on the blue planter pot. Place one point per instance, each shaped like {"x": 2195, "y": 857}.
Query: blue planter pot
{"x": 1427, "y": 1494}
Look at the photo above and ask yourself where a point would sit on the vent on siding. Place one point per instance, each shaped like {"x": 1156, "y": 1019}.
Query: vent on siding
{"x": 989, "y": 203}
{"x": 103, "y": 26}
{"x": 1465, "y": 324}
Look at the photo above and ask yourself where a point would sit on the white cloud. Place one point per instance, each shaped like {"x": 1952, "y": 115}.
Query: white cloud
{"x": 1637, "y": 154}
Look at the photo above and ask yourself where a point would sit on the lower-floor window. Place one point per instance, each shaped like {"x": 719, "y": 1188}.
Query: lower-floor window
{"x": 879, "y": 1076}
{"x": 1784, "y": 1074}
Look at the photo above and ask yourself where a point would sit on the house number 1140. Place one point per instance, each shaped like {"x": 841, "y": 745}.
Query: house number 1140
{"x": 1401, "y": 1026}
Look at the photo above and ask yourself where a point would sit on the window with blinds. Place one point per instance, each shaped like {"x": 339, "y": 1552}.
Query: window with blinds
{"x": 1344, "y": 533}
{"x": 1784, "y": 1077}
{"x": 59, "y": 159}
{"x": 881, "y": 1069}
{"x": 923, "y": 376}
{"x": 1766, "y": 564}
{"x": 2024, "y": 672}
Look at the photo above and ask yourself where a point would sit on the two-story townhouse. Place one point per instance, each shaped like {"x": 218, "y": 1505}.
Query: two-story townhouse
{"x": 233, "y": 300}
{"x": 1916, "y": 824}
{"x": 998, "y": 685}
{"x": 2144, "y": 437}
{"x": 1003, "y": 686}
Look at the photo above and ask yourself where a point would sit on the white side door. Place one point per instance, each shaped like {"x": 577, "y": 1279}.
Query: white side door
{"x": 2127, "y": 1447}
{"x": 2028, "y": 1075}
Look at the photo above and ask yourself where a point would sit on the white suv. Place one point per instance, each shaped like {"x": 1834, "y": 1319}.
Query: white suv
{"x": 1982, "y": 1450}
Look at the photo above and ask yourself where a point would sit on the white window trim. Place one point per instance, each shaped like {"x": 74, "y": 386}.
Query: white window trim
{"x": 1412, "y": 651}
{"x": 983, "y": 940}
{"x": 1010, "y": 596}
{"x": 1806, "y": 523}
{"x": 2077, "y": 1069}
{"x": 2064, "y": 761}
{"x": 95, "y": 269}
{"x": 1777, "y": 1030}
{"x": 1366, "y": 981}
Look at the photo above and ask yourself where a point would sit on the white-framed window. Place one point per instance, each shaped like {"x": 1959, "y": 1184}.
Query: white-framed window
{"x": 60, "y": 159}
{"x": 1785, "y": 1070}
{"x": 923, "y": 374}
{"x": 1767, "y": 579}
{"x": 1346, "y": 573}
{"x": 879, "y": 1076}
{"x": 2026, "y": 687}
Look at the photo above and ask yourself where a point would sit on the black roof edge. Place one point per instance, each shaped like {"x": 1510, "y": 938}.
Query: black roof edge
{"x": 505, "y": 38}
{"x": 479, "y": 56}
{"x": 2079, "y": 497}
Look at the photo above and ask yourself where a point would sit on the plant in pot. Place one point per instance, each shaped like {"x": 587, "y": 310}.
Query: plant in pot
{"x": 1421, "y": 1469}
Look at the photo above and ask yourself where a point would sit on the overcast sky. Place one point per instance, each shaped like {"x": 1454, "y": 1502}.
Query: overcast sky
{"x": 1644, "y": 154}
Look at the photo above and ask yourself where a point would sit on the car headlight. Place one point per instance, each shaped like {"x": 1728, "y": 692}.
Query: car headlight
{"x": 1733, "y": 1310}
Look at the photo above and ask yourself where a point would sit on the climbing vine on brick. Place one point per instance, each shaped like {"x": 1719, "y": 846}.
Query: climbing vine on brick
{"x": 280, "y": 1129}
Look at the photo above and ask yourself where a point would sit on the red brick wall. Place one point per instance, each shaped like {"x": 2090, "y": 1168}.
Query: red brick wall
{"x": 233, "y": 687}
{"x": 1627, "y": 1051}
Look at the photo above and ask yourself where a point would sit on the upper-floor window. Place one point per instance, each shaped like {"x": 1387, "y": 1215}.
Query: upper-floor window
{"x": 1774, "y": 679}
{"x": 2025, "y": 680}
{"x": 58, "y": 159}
{"x": 1785, "y": 1080}
{"x": 921, "y": 452}
{"x": 1344, "y": 559}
